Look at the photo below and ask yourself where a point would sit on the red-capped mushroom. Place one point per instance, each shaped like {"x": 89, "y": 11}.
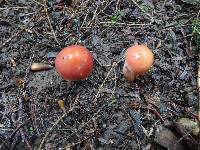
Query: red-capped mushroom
{"x": 138, "y": 61}
{"x": 74, "y": 63}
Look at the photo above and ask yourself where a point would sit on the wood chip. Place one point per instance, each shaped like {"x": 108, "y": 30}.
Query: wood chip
{"x": 40, "y": 67}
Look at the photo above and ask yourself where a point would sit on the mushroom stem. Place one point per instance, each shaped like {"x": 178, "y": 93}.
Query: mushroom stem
{"x": 135, "y": 42}
{"x": 129, "y": 75}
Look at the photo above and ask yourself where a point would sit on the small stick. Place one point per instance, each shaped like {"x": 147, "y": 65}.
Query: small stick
{"x": 56, "y": 123}
{"x": 48, "y": 18}
{"x": 14, "y": 132}
{"x": 25, "y": 139}
{"x": 142, "y": 9}
{"x": 6, "y": 8}
{"x": 101, "y": 86}
{"x": 127, "y": 24}
{"x": 17, "y": 33}
{"x": 198, "y": 86}
{"x": 20, "y": 112}
{"x": 155, "y": 112}
{"x": 50, "y": 130}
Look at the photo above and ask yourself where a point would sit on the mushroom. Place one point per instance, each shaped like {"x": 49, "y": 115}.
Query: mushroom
{"x": 74, "y": 63}
{"x": 138, "y": 60}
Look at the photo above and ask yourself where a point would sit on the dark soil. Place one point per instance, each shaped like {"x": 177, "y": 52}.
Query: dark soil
{"x": 104, "y": 111}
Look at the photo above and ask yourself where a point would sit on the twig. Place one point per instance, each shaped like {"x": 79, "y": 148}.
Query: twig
{"x": 117, "y": 5}
{"x": 155, "y": 112}
{"x": 84, "y": 21}
{"x": 20, "y": 106}
{"x": 94, "y": 16}
{"x": 185, "y": 136}
{"x": 164, "y": 4}
{"x": 25, "y": 139}
{"x": 78, "y": 142}
{"x": 32, "y": 108}
{"x": 39, "y": 3}
{"x": 127, "y": 24}
{"x": 50, "y": 130}
{"x": 17, "y": 33}
{"x": 83, "y": 125}
{"x": 20, "y": 112}
{"x": 56, "y": 123}
{"x": 48, "y": 18}
{"x": 95, "y": 99}
{"x": 101, "y": 86}
{"x": 142, "y": 9}
{"x": 105, "y": 7}
{"x": 14, "y": 132}
{"x": 198, "y": 86}
{"x": 6, "y": 8}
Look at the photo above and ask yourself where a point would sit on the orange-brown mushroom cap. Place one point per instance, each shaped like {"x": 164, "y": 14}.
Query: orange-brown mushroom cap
{"x": 74, "y": 62}
{"x": 138, "y": 61}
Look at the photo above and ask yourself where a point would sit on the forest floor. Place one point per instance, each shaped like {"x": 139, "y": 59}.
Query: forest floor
{"x": 156, "y": 111}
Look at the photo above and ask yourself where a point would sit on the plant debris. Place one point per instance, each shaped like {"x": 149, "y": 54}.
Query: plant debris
{"x": 40, "y": 67}
{"x": 104, "y": 111}
{"x": 166, "y": 138}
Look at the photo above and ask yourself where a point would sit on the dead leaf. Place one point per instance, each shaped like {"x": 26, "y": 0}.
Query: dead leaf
{"x": 185, "y": 137}
{"x": 189, "y": 125}
{"x": 18, "y": 81}
{"x": 152, "y": 100}
{"x": 166, "y": 138}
